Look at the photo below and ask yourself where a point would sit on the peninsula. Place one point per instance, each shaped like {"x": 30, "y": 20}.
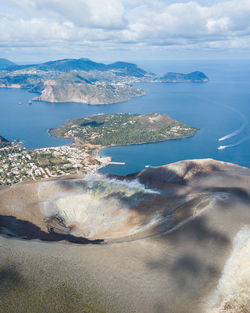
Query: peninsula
{"x": 123, "y": 129}
{"x": 83, "y": 80}
{"x": 90, "y": 135}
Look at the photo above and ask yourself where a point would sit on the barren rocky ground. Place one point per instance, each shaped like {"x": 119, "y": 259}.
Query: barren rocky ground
{"x": 169, "y": 239}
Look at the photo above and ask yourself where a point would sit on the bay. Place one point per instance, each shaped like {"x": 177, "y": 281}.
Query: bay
{"x": 220, "y": 108}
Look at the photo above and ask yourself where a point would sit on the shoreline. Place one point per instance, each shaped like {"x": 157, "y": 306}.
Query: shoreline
{"x": 99, "y": 149}
{"x": 83, "y": 158}
{"x": 37, "y": 98}
{"x": 78, "y": 156}
{"x": 19, "y": 164}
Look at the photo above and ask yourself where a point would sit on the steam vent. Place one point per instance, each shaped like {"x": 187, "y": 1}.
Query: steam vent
{"x": 161, "y": 240}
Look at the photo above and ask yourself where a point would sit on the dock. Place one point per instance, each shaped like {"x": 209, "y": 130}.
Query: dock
{"x": 117, "y": 163}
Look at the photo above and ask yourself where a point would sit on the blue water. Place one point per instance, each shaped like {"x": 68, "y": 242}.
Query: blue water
{"x": 219, "y": 108}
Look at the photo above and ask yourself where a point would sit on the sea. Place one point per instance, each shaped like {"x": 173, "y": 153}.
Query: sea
{"x": 219, "y": 108}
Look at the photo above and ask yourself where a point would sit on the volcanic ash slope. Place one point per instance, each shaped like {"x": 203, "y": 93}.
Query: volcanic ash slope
{"x": 173, "y": 238}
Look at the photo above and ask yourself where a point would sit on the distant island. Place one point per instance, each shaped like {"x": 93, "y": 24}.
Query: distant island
{"x": 123, "y": 129}
{"x": 82, "y": 80}
{"x": 195, "y": 77}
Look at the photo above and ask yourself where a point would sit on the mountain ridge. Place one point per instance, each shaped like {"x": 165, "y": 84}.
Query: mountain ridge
{"x": 5, "y": 63}
{"x": 85, "y": 81}
{"x": 82, "y": 64}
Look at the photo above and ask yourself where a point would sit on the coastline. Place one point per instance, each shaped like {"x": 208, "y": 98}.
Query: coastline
{"x": 20, "y": 165}
{"x": 98, "y": 148}
{"x": 41, "y": 99}
{"x": 74, "y": 158}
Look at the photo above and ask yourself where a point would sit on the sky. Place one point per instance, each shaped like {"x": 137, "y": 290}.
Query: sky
{"x": 41, "y": 30}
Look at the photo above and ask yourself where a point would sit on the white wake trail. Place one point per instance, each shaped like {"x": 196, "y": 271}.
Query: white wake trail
{"x": 234, "y": 133}
{"x": 235, "y": 144}
{"x": 237, "y": 131}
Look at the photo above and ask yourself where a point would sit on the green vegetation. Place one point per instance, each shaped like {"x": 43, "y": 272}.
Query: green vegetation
{"x": 73, "y": 87}
{"x": 25, "y": 80}
{"x": 124, "y": 129}
{"x": 82, "y": 80}
{"x": 18, "y": 164}
{"x": 83, "y": 64}
{"x": 46, "y": 159}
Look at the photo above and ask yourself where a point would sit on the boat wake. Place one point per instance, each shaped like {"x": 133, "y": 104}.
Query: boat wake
{"x": 237, "y": 131}
{"x": 234, "y": 133}
{"x": 235, "y": 144}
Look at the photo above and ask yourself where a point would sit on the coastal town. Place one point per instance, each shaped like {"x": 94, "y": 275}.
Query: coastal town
{"x": 19, "y": 164}
{"x": 90, "y": 134}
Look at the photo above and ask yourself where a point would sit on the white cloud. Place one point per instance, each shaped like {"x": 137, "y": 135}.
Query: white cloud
{"x": 112, "y": 23}
{"x": 188, "y": 21}
{"x": 83, "y": 13}
{"x": 34, "y": 30}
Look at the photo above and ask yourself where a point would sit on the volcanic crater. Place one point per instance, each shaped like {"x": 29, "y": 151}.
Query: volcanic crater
{"x": 107, "y": 209}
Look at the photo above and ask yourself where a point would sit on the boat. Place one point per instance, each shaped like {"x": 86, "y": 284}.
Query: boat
{"x": 221, "y": 147}
{"x": 20, "y": 103}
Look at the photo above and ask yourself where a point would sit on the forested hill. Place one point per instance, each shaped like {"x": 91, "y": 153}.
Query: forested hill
{"x": 124, "y": 129}
{"x": 83, "y": 64}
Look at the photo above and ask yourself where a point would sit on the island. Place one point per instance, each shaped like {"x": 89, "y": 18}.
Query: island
{"x": 194, "y": 77}
{"x": 123, "y": 129}
{"x": 85, "y": 81}
{"x": 90, "y": 134}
